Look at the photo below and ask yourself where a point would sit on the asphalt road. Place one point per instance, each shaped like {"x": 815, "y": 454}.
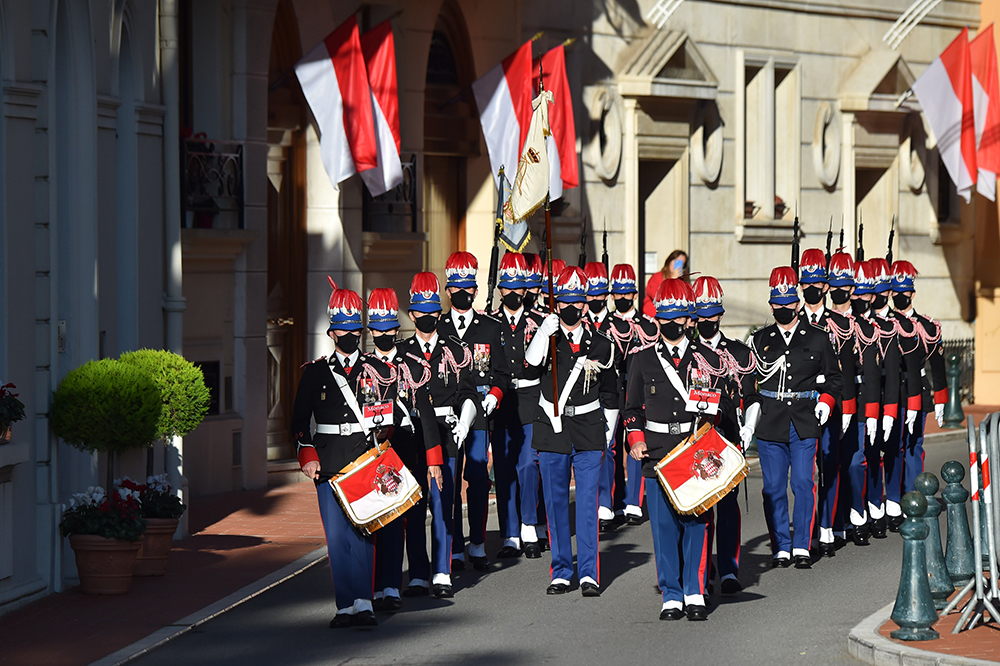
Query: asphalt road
{"x": 784, "y": 616}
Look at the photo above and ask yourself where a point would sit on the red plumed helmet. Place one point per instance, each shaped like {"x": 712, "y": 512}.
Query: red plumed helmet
{"x": 513, "y": 261}
{"x": 623, "y": 279}
{"x": 783, "y": 283}
{"x": 571, "y": 285}
{"x": 881, "y": 273}
{"x": 841, "y": 270}
{"x": 707, "y": 288}
{"x": 597, "y": 278}
{"x": 346, "y": 308}
{"x": 903, "y": 275}
{"x": 673, "y": 299}
{"x": 812, "y": 266}
{"x": 460, "y": 270}
{"x": 383, "y": 309}
{"x": 333, "y": 286}
{"x": 425, "y": 293}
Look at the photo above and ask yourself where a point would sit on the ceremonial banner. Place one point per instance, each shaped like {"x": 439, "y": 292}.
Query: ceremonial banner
{"x": 563, "y": 174}
{"x": 335, "y": 83}
{"x": 513, "y": 235}
{"x": 945, "y": 94}
{"x": 531, "y": 184}
{"x": 503, "y": 96}
{"x": 986, "y": 96}
{"x": 375, "y": 489}
{"x": 700, "y": 471}
{"x": 379, "y": 50}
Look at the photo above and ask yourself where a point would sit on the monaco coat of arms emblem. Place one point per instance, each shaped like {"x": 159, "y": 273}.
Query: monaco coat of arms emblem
{"x": 387, "y": 480}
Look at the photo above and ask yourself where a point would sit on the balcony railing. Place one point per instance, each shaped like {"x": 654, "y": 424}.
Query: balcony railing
{"x": 396, "y": 210}
{"x": 212, "y": 180}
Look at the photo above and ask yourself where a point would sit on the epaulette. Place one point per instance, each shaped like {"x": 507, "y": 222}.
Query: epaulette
{"x": 316, "y": 360}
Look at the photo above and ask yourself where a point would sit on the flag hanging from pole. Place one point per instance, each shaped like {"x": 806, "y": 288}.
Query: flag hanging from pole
{"x": 513, "y": 235}
{"x": 986, "y": 94}
{"x": 379, "y": 50}
{"x": 563, "y": 174}
{"x": 503, "y": 96}
{"x": 945, "y": 94}
{"x": 335, "y": 84}
{"x": 531, "y": 184}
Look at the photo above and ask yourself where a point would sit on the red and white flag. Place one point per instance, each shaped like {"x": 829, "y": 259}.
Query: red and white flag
{"x": 562, "y": 142}
{"x": 379, "y": 49}
{"x": 986, "y": 96}
{"x": 503, "y": 96}
{"x": 335, "y": 83}
{"x": 945, "y": 94}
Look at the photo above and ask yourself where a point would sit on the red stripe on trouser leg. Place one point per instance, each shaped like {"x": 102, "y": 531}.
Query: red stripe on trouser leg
{"x": 703, "y": 567}
{"x": 739, "y": 535}
{"x": 597, "y": 501}
{"x": 816, "y": 507}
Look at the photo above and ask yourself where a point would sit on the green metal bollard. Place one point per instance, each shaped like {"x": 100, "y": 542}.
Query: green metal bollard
{"x": 953, "y": 414}
{"x": 959, "y": 555}
{"x": 914, "y": 610}
{"x": 937, "y": 572}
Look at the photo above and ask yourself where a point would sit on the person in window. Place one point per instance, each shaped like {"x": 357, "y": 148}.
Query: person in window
{"x": 676, "y": 266}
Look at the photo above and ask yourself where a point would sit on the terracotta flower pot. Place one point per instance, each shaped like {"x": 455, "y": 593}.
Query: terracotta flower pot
{"x": 156, "y": 544}
{"x": 5, "y": 433}
{"x": 105, "y": 565}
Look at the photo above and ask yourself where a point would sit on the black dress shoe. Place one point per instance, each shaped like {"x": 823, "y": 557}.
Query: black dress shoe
{"x": 697, "y": 612}
{"x": 391, "y": 604}
{"x": 457, "y": 564}
{"x": 442, "y": 591}
{"x": 879, "y": 528}
{"x": 480, "y": 563}
{"x": 620, "y": 519}
{"x": 671, "y": 614}
{"x": 731, "y": 587}
{"x": 340, "y": 621}
{"x": 633, "y": 520}
{"x": 532, "y": 550}
{"x": 544, "y": 543}
{"x": 364, "y": 619}
{"x": 416, "y": 591}
{"x": 895, "y": 522}
{"x": 606, "y": 525}
{"x": 839, "y": 542}
{"x": 827, "y": 549}
{"x": 861, "y": 535}
{"x": 783, "y": 562}
{"x": 588, "y": 589}
{"x": 508, "y": 553}
{"x": 803, "y": 562}
{"x": 379, "y": 603}
{"x": 557, "y": 588}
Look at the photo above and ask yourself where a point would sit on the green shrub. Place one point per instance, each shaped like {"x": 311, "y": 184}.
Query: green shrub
{"x": 106, "y": 406}
{"x": 182, "y": 390}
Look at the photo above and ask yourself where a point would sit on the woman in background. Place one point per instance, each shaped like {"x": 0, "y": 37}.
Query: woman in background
{"x": 676, "y": 266}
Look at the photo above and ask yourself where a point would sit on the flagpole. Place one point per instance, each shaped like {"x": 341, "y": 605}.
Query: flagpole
{"x": 552, "y": 306}
{"x": 495, "y": 255}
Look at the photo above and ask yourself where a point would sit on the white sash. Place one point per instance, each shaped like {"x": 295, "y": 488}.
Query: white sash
{"x": 349, "y": 398}
{"x": 672, "y": 374}
{"x": 574, "y": 375}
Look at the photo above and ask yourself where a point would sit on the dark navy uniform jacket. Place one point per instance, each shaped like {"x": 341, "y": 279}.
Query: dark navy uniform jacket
{"x": 869, "y": 366}
{"x": 651, "y": 396}
{"x": 742, "y": 385}
{"x": 921, "y": 390}
{"x": 489, "y": 370}
{"x": 843, "y": 346}
{"x": 810, "y": 365}
{"x": 625, "y": 334}
{"x": 521, "y": 403}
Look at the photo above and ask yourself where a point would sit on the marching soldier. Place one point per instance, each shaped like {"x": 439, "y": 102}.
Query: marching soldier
{"x": 330, "y": 391}
{"x": 884, "y": 456}
{"x": 532, "y": 281}
{"x": 480, "y": 333}
{"x": 575, "y": 437}
{"x": 415, "y": 437}
{"x": 445, "y": 367}
{"x": 558, "y": 266}
{"x": 515, "y": 462}
{"x": 657, "y": 420}
{"x": 813, "y": 282}
{"x": 597, "y": 296}
{"x": 628, "y": 330}
{"x": 920, "y": 345}
{"x": 740, "y": 362}
{"x": 798, "y": 376}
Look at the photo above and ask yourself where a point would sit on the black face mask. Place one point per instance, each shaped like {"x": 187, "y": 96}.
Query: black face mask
{"x": 858, "y": 307}
{"x": 426, "y": 323}
{"x": 840, "y": 296}
{"x": 597, "y": 307}
{"x": 461, "y": 300}
{"x": 881, "y": 300}
{"x": 672, "y": 330}
{"x": 512, "y": 301}
{"x": 812, "y": 294}
{"x": 708, "y": 329}
{"x": 384, "y": 343}
{"x": 785, "y": 316}
{"x": 529, "y": 300}
{"x": 623, "y": 304}
{"x": 901, "y": 302}
{"x": 570, "y": 315}
{"x": 348, "y": 343}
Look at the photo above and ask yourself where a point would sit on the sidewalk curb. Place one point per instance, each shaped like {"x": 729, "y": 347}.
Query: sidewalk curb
{"x": 182, "y": 626}
{"x": 867, "y": 645}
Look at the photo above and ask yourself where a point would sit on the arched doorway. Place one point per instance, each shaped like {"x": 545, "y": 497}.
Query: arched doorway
{"x": 451, "y": 135}
{"x": 286, "y": 238}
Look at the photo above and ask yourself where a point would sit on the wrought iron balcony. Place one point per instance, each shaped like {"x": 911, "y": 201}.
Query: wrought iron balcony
{"x": 212, "y": 180}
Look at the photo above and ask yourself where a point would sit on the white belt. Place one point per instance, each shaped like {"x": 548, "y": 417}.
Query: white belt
{"x": 524, "y": 383}
{"x": 668, "y": 428}
{"x": 571, "y": 410}
{"x": 858, "y": 379}
{"x": 405, "y": 422}
{"x": 444, "y": 411}
{"x": 344, "y": 429}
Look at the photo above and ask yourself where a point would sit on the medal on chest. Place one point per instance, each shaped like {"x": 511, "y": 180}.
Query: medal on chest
{"x": 481, "y": 358}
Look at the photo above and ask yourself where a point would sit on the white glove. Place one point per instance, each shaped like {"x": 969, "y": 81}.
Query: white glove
{"x": 845, "y": 422}
{"x": 887, "y": 422}
{"x": 871, "y": 426}
{"x": 538, "y": 348}
{"x": 911, "y": 418}
{"x": 464, "y": 424}
{"x": 490, "y": 403}
{"x": 746, "y": 437}
{"x": 939, "y": 414}
{"x": 749, "y": 425}
{"x": 822, "y": 412}
{"x": 611, "y": 423}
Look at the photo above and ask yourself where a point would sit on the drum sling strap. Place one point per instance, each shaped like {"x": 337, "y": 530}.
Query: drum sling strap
{"x": 350, "y": 399}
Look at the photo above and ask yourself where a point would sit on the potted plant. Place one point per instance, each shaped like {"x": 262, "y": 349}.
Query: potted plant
{"x": 11, "y": 410}
{"x": 106, "y": 406}
{"x": 105, "y": 533}
{"x": 161, "y": 509}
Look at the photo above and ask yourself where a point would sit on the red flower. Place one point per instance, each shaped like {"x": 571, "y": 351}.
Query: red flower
{"x": 105, "y": 506}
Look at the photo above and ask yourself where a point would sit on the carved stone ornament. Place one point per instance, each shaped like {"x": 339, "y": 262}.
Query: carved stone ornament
{"x": 826, "y": 145}
{"x": 608, "y": 146}
{"x": 706, "y": 143}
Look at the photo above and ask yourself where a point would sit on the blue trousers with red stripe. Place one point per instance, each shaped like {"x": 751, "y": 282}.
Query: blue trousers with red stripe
{"x": 775, "y": 460}
{"x": 555, "y": 470}
{"x": 442, "y": 518}
{"x": 894, "y": 460}
{"x": 515, "y": 466}
{"x": 635, "y": 485}
{"x": 913, "y": 452}
{"x": 352, "y": 555}
{"x": 473, "y": 464}
{"x": 409, "y": 530}
{"x": 680, "y": 547}
{"x": 829, "y": 490}
{"x": 726, "y": 522}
